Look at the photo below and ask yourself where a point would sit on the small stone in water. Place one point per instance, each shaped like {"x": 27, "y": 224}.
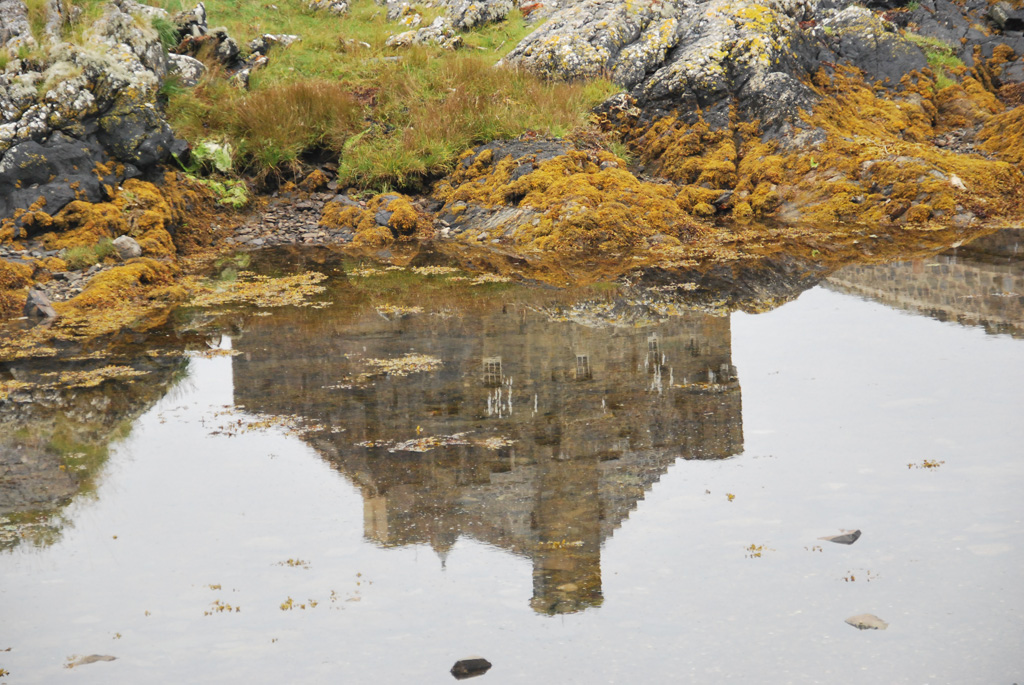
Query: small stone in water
{"x": 867, "y": 622}
{"x": 847, "y": 537}
{"x": 470, "y": 668}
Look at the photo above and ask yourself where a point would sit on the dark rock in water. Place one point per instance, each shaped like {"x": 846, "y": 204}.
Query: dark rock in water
{"x": 38, "y": 306}
{"x": 470, "y": 668}
{"x": 867, "y": 622}
{"x": 32, "y": 170}
{"x": 847, "y": 537}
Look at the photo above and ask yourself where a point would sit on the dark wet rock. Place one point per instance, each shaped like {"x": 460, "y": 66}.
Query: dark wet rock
{"x": 138, "y": 134}
{"x": 847, "y": 537}
{"x": 867, "y": 622}
{"x": 470, "y": 668}
{"x": 874, "y": 46}
{"x": 1006, "y": 17}
{"x": 58, "y": 170}
{"x": 38, "y": 306}
{"x": 127, "y": 247}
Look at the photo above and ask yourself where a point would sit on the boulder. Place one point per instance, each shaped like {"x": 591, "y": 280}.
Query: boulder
{"x": 38, "y": 306}
{"x": 127, "y": 247}
{"x": 466, "y": 14}
{"x": 188, "y": 70}
{"x": 57, "y": 170}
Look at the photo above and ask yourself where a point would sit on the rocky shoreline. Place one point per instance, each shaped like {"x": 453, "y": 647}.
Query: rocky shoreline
{"x": 803, "y": 117}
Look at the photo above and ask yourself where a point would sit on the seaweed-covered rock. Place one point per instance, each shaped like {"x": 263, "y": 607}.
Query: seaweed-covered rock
{"x": 545, "y": 195}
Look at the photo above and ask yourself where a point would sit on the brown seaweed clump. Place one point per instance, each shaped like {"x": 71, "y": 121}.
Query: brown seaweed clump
{"x": 576, "y": 202}
{"x": 14, "y": 281}
{"x": 863, "y": 155}
{"x": 385, "y": 218}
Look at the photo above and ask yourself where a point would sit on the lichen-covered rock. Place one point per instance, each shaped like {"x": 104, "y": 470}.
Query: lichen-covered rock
{"x": 682, "y": 56}
{"x": 15, "y": 31}
{"x": 440, "y": 33}
{"x": 337, "y": 7}
{"x": 465, "y": 14}
{"x": 188, "y": 70}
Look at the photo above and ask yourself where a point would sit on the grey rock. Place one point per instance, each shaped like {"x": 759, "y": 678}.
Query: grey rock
{"x": 188, "y": 70}
{"x": 127, "y": 247}
{"x": 15, "y": 31}
{"x": 440, "y": 33}
{"x": 469, "y": 13}
{"x": 337, "y": 7}
{"x": 192, "y": 22}
{"x": 847, "y": 537}
{"x": 38, "y": 305}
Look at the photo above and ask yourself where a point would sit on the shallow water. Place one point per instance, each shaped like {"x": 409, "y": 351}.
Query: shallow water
{"x": 577, "y": 494}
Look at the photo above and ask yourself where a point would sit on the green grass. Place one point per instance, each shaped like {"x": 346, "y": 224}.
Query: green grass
{"x": 85, "y": 256}
{"x": 392, "y": 118}
{"x": 941, "y": 58}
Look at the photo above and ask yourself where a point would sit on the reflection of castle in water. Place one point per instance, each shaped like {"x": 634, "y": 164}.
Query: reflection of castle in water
{"x": 567, "y": 426}
{"x": 981, "y": 284}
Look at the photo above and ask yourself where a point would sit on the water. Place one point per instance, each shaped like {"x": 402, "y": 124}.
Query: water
{"x": 615, "y": 499}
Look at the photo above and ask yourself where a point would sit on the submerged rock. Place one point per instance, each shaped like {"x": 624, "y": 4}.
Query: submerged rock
{"x": 38, "y": 306}
{"x": 867, "y": 622}
{"x": 847, "y": 537}
{"x": 470, "y": 668}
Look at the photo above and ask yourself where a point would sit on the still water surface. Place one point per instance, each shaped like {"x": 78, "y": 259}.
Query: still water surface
{"x": 577, "y": 495}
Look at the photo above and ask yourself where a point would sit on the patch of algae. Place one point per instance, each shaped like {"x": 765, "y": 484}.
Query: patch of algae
{"x": 140, "y": 209}
{"x": 873, "y": 160}
{"x": 576, "y": 202}
{"x": 261, "y": 291}
{"x": 404, "y": 221}
{"x": 14, "y": 280}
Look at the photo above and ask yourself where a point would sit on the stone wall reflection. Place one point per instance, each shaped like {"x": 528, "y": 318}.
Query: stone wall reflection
{"x": 981, "y": 284}
{"x": 568, "y": 426}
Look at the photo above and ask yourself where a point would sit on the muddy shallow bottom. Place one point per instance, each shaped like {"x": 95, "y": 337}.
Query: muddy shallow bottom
{"x": 365, "y": 494}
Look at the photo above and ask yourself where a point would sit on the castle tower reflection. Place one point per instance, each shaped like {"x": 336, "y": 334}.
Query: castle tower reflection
{"x": 538, "y": 434}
